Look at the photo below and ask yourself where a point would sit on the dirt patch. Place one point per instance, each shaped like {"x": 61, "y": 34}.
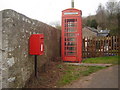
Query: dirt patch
{"x": 47, "y": 79}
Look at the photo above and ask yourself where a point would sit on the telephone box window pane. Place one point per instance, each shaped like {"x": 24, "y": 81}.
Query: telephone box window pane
{"x": 71, "y": 24}
{"x": 65, "y": 20}
{"x": 70, "y": 20}
{"x": 70, "y": 44}
{"x": 71, "y": 53}
{"x": 69, "y": 34}
{"x": 71, "y": 30}
{"x": 71, "y": 39}
{"x": 65, "y": 25}
{"x": 71, "y": 48}
{"x": 65, "y": 34}
{"x": 65, "y": 29}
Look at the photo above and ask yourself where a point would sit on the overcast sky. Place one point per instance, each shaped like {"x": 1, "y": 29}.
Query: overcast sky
{"x": 49, "y": 11}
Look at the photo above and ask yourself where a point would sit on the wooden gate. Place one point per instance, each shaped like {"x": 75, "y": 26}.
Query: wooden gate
{"x": 100, "y": 46}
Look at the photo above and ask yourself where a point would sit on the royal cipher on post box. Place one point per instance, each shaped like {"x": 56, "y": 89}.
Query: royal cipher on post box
{"x": 36, "y": 44}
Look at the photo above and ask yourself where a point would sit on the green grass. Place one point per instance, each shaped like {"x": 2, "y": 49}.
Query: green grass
{"x": 103, "y": 60}
{"x": 72, "y": 73}
{"x": 75, "y": 72}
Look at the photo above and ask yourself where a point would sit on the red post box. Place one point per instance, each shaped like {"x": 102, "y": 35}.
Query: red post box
{"x": 36, "y": 44}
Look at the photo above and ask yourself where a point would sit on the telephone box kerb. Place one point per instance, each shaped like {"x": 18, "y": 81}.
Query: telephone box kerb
{"x": 36, "y": 44}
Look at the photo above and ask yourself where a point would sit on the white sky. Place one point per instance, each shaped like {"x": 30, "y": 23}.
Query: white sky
{"x": 49, "y": 11}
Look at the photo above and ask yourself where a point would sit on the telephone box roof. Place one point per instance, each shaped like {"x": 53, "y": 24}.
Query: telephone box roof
{"x": 72, "y": 9}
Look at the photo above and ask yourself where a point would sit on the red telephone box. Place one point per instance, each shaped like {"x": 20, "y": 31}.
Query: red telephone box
{"x": 36, "y": 44}
{"x": 71, "y": 41}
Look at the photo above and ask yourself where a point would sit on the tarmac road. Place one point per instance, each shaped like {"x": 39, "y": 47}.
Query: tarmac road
{"x": 106, "y": 78}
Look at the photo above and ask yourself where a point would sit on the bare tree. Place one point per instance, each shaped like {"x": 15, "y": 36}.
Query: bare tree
{"x": 112, "y": 8}
{"x": 118, "y": 16}
{"x": 101, "y": 16}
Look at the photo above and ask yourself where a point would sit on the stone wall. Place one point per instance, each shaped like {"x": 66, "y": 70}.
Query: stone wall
{"x": 17, "y": 64}
{"x": 0, "y": 50}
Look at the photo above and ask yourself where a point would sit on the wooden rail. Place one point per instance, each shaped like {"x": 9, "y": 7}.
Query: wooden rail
{"x": 100, "y": 46}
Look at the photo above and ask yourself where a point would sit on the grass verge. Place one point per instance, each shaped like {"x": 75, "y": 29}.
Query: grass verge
{"x": 103, "y": 60}
{"x": 72, "y": 73}
{"x": 75, "y": 72}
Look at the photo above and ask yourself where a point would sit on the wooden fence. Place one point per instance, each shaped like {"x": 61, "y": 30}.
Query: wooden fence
{"x": 100, "y": 46}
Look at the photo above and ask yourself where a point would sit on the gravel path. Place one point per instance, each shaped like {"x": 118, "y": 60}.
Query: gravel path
{"x": 106, "y": 78}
